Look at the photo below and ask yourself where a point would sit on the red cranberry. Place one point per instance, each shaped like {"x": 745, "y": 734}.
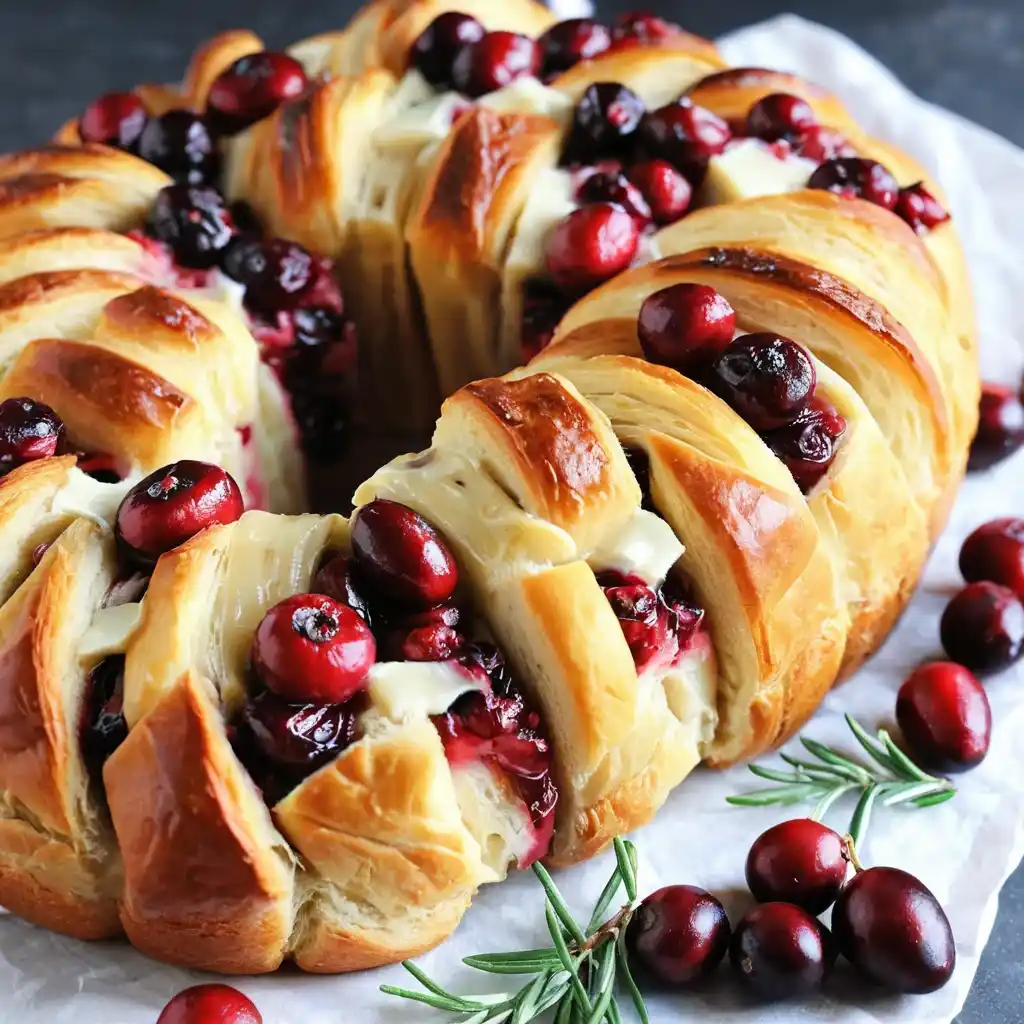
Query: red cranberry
{"x": 779, "y": 115}
{"x": 210, "y": 1004}
{"x": 604, "y": 125}
{"x": 304, "y": 736}
{"x": 567, "y": 43}
{"x": 781, "y": 951}
{"x": 543, "y": 309}
{"x": 590, "y": 246}
{"x": 995, "y": 552}
{"x": 892, "y": 929}
{"x": 194, "y": 222}
{"x": 1000, "y": 427}
{"x": 493, "y": 62}
{"x": 434, "y": 52}
{"x": 819, "y": 144}
{"x": 644, "y": 27}
{"x": 808, "y": 445}
{"x": 667, "y": 192}
{"x": 277, "y": 274}
{"x": 647, "y": 623}
{"x": 678, "y": 935}
{"x": 686, "y": 615}
{"x": 115, "y": 119}
{"x": 983, "y": 627}
{"x": 173, "y": 504}
{"x": 401, "y": 556}
{"x": 337, "y": 578}
{"x": 767, "y": 379}
{"x": 181, "y": 143}
{"x": 253, "y": 87}
{"x": 800, "y": 861}
{"x": 104, "y": 727}
{"x": 855, "y": 176}
{"x": 310, "y": 647}
{"x": 686, "y": 326}
{"x": 920, "y": 209}
{"x": 614, "y": 187}
{"x": 434, "y": 642}
{"x": 29, "y": 431}
{"x": 944, "y": 715}
{"x": 685, "y": 135}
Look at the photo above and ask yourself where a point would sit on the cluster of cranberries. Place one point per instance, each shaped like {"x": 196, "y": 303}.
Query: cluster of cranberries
{"x": 1000, "y": 426}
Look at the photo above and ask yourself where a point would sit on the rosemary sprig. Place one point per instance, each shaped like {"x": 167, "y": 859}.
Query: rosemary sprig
{"x": 575, "y": 976}
{"x": 890, "y": 778}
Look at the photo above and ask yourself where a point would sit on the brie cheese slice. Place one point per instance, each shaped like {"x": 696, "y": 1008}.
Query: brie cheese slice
{"x": 413, "y": 689}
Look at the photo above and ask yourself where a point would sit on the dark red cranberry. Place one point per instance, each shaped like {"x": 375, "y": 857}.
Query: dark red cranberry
{"x": 434, "y": 52}
{"x": 767, "y": 379}
{"x": 944, "y": 715}
{"x": 252, "y": 88}
{"x": 435, "y": 642}
{"x": 115, "y": 119}
{"x": 995, "y": 552}
{"x": 312, "y": 648}
{"x": 685, "y": 135}
{"x": 322, "y": 419}
{"x": 780, "y": 115}
{"x": 780, "y": 951}
{"x": 1000, "y": 427}
{"x": 800, "y": 861}
{"x": 592, "y": 245}
{"x": 819, "y": 144}
{"x": 104, "y": 725}
{"x": 182, "y": 144}
{"x": 646, "y": 621}
{"x": 644, "y": 27}
{"x": 194, "y": 222}
{"x": 808, "y": 445}
{"x": 568, "y": 42}
{"x": 493, "y": 62}
{"x": 39, "y": 551}
{"x": 401, "y": 556}
{"x": 678, "y": 935}
{"x": 605, "y": 123}
{"x": 29, "y": 430}
{"x": 173, "y": 504}
{"x": 686, "y": 615}
{"x": 543, "y": 309}
{"x": 304, "y": 736}
{"x": 892, "y": 929}
{"x": 614, "y": 187}
{"x": 210, "y": 1004}
{"x": 920, "y": 209}
{"x": 277, "y": 274}
{"x": 686, "y": 326}
{"x": 337, "y": 578}
{"x": 855, "y": 176}
{"x": 983, "y": 627}
{"x": 667, "y": 192}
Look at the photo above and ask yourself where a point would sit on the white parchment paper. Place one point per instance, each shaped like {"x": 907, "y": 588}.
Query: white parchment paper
{"x": 963, "y": 850}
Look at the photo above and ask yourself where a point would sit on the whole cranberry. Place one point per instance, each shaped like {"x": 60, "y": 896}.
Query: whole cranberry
{"x": 173, "y": 504}
{"x": 104, "y": 727}
{"x": 592, "y": 244}
{"x": 685, "y": 135}
{"x": 818, "y": 143}
{"x": 686, "y": 326}
{"x": 252, "y": 88}
{"x": 644, "y": 27}
{"x": 800, "y": 861}
{"x": 114, "y": 119}
{"x": 995, "y": 552}
{"x": 892, "y": 929}
{"x": 434, "y": 52}
{"x": 544, "y": 305}
{"x": 210, "y": 1004}
{"x": 647, "y": 623}
{"x": 568, "y": 42}
{"x": 982, "y": 628}
{"x": 604, "y": 124}
{"x": 808, "y": 445}
{"x": 493, "y": 62}
{"x": 667, "y": 192}
{"x": 277, "y": 274}
{"x": 781, "y": 951}
{"x": 312, "y": 648}
{"x": 338, "y": 578}
{"x": 194, "y": 222}
{"x": 855, "y": 176}
{"x": 678, "y": 935}
{"x": 434, "y": 642}
{"x": 29, "y": 430}
{"x": 614, "y": 187}
{"x": 767, "y": 379}
{"x": 920, "y": 209}
{"x": 401, "y": 556}
{"x": 1000, "y": 427}
{"x": 780, "y": 115}
{"x": 182, "y": 144}
{"x": 944, "y": 715}
{"x": 304, "y": 736}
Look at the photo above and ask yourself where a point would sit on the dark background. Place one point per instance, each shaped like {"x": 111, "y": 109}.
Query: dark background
{"x": 967, "y": 55}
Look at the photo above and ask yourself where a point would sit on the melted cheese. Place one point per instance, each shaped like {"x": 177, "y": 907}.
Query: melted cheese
{"x": 529, "y": 95}
{"x": 646, "y": 547}
{"x": 551, "y": 200}
{"x": 750, "y": 168}
{"x": 691, "y": 686}
{"x": 110, "y": 631}
{"x": 90, "y": 499}
{"x": 418, "y": 689}
{"x": 421, "y": 124}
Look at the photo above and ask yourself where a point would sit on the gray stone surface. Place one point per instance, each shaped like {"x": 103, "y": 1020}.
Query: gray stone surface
{"x": 963, "y": 54}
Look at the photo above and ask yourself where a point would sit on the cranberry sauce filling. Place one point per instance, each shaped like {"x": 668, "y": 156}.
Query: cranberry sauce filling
{"x": 102, "y": 727}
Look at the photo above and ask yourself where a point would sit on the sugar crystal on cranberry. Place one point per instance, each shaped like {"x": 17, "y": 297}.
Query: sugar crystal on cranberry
{"x": 181, "y": 143}
{"x": 194, "y": 222}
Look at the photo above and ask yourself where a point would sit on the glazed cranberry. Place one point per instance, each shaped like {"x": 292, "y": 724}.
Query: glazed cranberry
{"x": 800, "y": 861}
{"x": 1000, "y": 427}
{"x": 779, "y": 115}
{"x": 277, "y": 274}
{"x": 995, "y": 552}
{"x": 310, "y": 647}
{"x": 434, "y": 642}
{"x": 337, "y": 578}
{"x": 173, "y": 504}
{"x": 614, "y": 187}
{"x": 181, "y": 143}
{"x": 29, "y": 431}
{"x": 767, "y": 379}
{"x": 604, "y": 124}
{"x": 944, "y": 715}
{"x": 210, "y": 1004}
{"x": 686, "y": 615}
{"x": 983, "y": 627}
{"x": 592, "y": 244}
{"x": 543, "y": 309}
{"x": 434, "y": 52}
{"x": 678, "y": 935}
{"x": 686, "y": 326}
{"x": 808, "y": 445}
{"x": 647, "y": 623}
{"x": 304, "y": 736}
{"x": 892, "y": 929}
{"x": 401, "y": 556}
{"x": 685, "y": 135}
{"x": 666, "y": 191}
{"x": 493, "y": 62}
{"x": 194, "y": 222}
{"x": 104, "y": 726}
{"x": 855, "y": 176}
{"x": 567, "y": 43}
{"x": 253, "y": 88}
{"x": 920, "y": 209}
{"x": 643, "y": 27}
{"x": 819, "y": 144}
{"x": 115, "y": 119}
